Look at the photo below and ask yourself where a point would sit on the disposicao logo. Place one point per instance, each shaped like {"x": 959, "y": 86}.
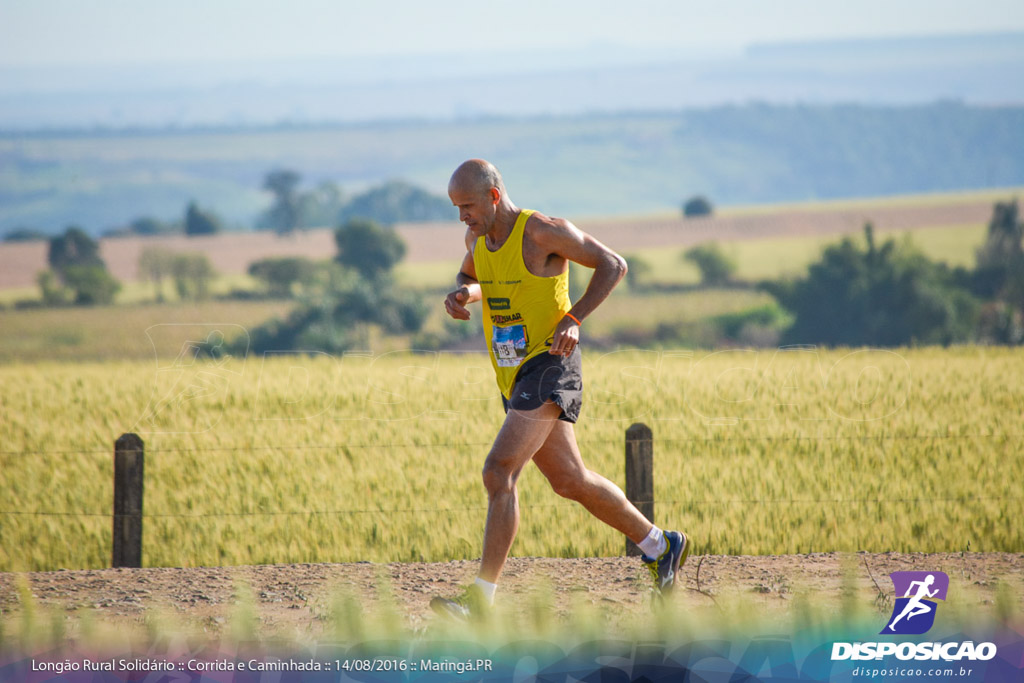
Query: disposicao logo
{"x": 917, "y": 594}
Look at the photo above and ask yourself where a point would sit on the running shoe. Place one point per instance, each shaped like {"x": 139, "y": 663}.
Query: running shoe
{"x": 470, "y": 605}
{"x": 663, "y": 569}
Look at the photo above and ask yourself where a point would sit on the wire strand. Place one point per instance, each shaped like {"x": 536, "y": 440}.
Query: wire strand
{"x": 482, "y": 444}
{"x": 483, "y": 508}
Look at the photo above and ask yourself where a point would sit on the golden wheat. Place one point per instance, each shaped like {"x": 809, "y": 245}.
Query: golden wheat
{"x": 305, "y": 458}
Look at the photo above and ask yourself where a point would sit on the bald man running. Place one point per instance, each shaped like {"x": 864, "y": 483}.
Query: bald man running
{"x": 517, "y": 265}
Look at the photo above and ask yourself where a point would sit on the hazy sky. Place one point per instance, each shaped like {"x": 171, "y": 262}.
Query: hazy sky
{"x": 61, "y": 32}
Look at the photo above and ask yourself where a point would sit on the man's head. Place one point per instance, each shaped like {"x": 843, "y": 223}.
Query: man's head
{"x": 478, "y": 191}
{"x": 477, "y": 175}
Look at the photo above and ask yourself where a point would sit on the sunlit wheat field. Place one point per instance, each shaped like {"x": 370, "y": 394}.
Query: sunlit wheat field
{"x": 311, "y": 458}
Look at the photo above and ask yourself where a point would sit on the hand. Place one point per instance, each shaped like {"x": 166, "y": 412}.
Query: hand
{"x": 566, "y": 337}
{"x": 455, "y": 303}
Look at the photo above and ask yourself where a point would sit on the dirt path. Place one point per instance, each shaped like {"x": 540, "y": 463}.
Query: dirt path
{"x": 298, "y": 598}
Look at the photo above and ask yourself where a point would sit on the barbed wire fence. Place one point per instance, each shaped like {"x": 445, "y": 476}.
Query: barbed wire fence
{"x": 129, "y": 454}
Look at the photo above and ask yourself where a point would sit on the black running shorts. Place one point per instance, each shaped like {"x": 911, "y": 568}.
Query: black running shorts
{"x": 546, "y": 378}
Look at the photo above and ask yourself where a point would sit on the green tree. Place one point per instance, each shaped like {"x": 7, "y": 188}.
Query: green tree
{"x": 199, "y": 222}
{"x": 155, "y": 264}
{"x": 25, "y": 235}
{"x": 147, "y": 225}
{"x": 75, "y": 260}
{"x": 879, "y": 296}
{"x": 1002, "y": 254}
{"x": 321, "y": 206}
{"x": 192, "y": 274}
{"x": 283, "y": 215}
{"x": 367, "y": 247}
{"x": 73, "y": 248}
{"x": 698, "y": 205}
{"x": 93, "y": 285}
{"x": 337, "y": 311}
{"x": 395, "y": 202}
{"x": 279, "y": 275}
{"x": 293, "y": 209}
{"x": 716, "y": 268}
{"x": 53, "y": 290}
{"x": 999, "y": 276}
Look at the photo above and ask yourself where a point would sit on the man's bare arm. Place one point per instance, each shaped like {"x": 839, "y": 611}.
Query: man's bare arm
{"x": 562, "y": 238}
{"x": 467, "y": 290}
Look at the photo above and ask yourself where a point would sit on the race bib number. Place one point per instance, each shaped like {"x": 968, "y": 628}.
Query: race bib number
{"x": 509, "y": 345}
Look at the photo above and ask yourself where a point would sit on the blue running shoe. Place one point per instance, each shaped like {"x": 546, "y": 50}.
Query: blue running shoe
{"x": 664, "y": 569}
{"x": 469, "y": 606}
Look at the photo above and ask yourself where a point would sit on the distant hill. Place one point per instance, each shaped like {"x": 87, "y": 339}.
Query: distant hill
{"x": 582, "y": 165}
{"x": 977, "y": 69}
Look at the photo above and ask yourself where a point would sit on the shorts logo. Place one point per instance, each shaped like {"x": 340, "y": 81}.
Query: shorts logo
{"x": 499, "y": 303}
{"x": 917, "y": 592}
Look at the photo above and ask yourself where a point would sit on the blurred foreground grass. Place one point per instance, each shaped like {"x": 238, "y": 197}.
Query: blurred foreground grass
{"x": 372, "y": 621}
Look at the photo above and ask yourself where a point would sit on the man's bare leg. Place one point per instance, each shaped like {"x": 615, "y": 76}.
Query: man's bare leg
{"x": 520, "y": 437}
{"x": 560, "y": 461}
{"x": 539, "y": 435}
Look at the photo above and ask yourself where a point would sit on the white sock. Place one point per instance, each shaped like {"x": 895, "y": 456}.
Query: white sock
{"x": 487, "y": 588}
{"x": 654, "y": 544}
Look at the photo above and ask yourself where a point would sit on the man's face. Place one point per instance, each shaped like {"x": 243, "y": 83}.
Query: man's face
{"x": 476, "y": 209}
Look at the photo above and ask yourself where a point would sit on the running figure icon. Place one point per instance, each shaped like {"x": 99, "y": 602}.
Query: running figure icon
{"x": 916, "y": 605}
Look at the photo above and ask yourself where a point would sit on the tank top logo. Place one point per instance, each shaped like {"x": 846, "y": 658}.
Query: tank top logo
{"x": 500, "y": 319}
{"x": 499, "y": 303}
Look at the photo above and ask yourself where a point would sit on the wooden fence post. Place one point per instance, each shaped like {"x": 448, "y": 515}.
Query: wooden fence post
{"x": 128, "y": 459}
{"x": 640, "y": 474}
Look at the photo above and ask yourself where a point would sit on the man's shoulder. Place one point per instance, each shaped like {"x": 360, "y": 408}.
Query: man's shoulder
{"x": 541, "y": 227}
{"x": 538, "y": 219}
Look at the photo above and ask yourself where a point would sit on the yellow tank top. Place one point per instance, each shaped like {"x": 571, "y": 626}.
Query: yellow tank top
{"x": 521, "y": 310}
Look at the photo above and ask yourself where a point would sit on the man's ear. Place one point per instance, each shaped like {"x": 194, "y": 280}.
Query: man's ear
{"x": 495, "y": 195}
